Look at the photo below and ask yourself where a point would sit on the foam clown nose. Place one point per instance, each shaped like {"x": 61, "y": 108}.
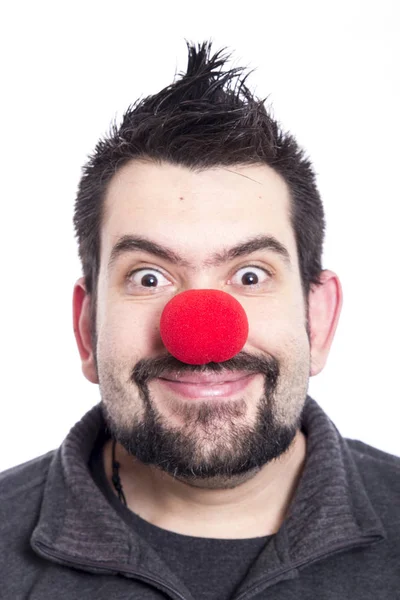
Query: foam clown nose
{"x": 202, "y": 326}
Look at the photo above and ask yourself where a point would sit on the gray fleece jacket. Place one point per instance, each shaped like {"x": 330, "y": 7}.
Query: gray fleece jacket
{"x": 61, "y": 539}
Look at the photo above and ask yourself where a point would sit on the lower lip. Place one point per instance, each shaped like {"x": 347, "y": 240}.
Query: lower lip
{"x": 200, "y": 390}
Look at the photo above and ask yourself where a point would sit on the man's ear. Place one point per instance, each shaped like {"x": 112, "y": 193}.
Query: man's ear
{"x": 325, "y": 304}
{"x": 82, "y": 330}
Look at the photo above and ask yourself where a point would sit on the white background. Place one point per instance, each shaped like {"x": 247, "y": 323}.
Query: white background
{"x": 332, "y": 72}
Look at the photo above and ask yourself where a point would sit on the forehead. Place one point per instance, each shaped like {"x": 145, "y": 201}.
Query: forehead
{"x": 196, "y": 212}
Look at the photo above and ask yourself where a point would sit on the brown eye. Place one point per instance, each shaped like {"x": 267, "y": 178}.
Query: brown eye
{"x": 251, "y": 276}
{"x": 147, "y": 279}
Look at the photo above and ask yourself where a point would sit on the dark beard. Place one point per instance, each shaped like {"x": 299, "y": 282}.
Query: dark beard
{"x": 236, "y": 449}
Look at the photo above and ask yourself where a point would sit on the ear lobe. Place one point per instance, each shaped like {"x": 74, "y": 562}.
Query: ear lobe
{"x": 325, "y": 303}
{"x": 82, "y": 330}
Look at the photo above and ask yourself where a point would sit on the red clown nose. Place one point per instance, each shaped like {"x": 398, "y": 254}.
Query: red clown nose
{"x": 202, "y": 326}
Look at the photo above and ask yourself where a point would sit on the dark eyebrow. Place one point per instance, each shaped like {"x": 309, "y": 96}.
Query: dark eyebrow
{"x": 131, "y": 243}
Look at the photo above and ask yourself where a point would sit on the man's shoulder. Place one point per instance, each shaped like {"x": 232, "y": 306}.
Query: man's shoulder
{"x": 365, "y": 453}
{"x": 380, "y": 470}
{"x": 22, "y": 480}
{"x": 21, "y": 494}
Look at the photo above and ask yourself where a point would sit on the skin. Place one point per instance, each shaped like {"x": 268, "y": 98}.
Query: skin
{"x": 196, "y": 215}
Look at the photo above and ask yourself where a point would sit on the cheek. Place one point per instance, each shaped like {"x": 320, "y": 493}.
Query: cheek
{"x": 276, "y": 326}
{"x": 129, "y": 330}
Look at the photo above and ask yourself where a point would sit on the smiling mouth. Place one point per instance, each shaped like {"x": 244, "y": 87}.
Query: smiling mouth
{"x": 205, "y": 378}
{"x": 212, "y": 386}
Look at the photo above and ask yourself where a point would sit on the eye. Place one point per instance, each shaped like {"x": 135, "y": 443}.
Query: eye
{"x": 147, "y": 279}
{"x": 251, "y": 276}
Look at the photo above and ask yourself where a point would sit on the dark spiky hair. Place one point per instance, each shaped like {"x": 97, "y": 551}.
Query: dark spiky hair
{"x": 206, "y": 118}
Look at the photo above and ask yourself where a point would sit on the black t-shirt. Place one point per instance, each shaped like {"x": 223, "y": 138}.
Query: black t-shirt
{"x": 210, "y": 568}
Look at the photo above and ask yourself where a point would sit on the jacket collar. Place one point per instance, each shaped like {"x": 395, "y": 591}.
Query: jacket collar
{"x": 330, "y": 510}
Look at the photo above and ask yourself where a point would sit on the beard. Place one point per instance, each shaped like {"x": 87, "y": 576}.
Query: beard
{"x": 213, "y": 446}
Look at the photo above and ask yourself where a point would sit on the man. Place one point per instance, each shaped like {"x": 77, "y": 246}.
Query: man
{"x": 217, "y": 479}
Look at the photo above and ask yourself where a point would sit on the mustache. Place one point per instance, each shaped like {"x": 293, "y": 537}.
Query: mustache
{"x": 147, "y": 369}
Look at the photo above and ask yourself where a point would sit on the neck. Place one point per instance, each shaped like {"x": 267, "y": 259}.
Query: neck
{"x": 254, "y": 507}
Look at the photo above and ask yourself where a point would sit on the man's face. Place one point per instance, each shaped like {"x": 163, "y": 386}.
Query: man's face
{"x": 217, "y": 441}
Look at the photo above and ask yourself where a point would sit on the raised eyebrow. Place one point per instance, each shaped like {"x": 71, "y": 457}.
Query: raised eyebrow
{"x": 260, "y": 242}
{"x": 130, "y": 243}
